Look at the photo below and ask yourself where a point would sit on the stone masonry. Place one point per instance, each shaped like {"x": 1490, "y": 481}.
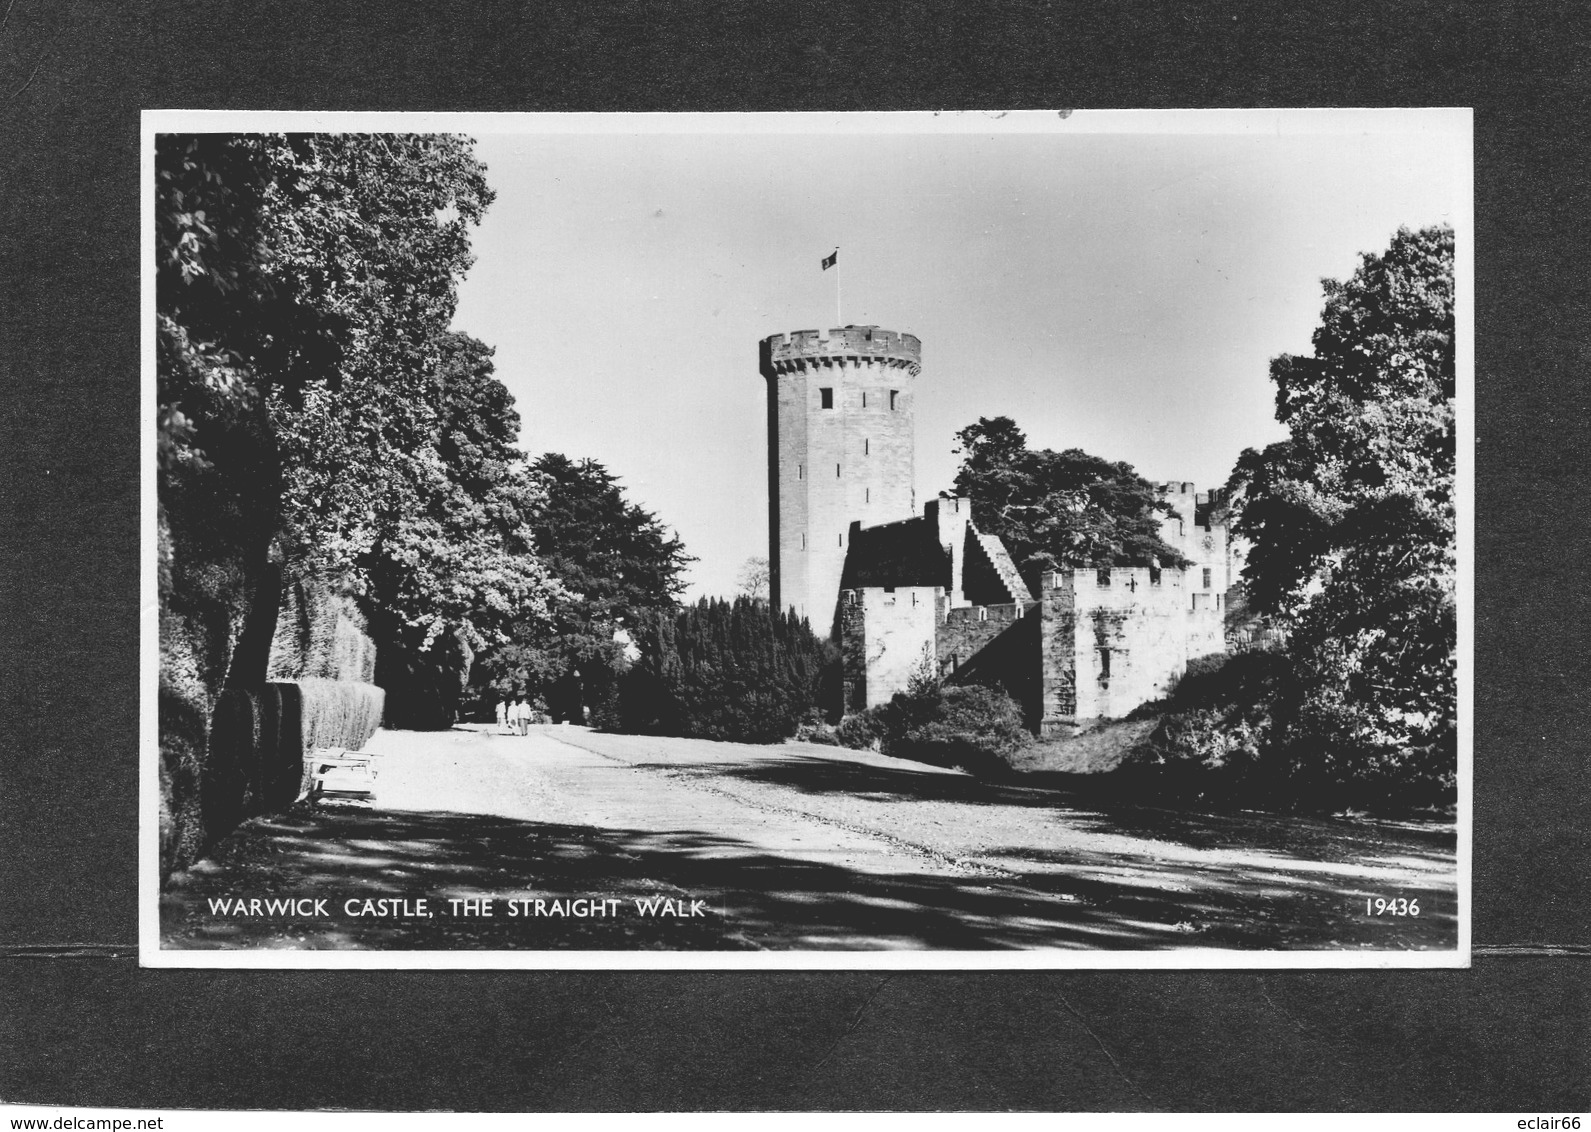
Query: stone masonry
{"x": 840, "y": 450}
{"x": 906, "y": 594}
{"x": 1112, "y": 639}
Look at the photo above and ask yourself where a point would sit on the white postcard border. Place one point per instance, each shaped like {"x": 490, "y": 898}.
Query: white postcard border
{"x": 1456, "y": 121}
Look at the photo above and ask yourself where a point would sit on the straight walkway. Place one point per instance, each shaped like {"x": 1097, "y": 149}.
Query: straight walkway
{"x": 687, "y": 845}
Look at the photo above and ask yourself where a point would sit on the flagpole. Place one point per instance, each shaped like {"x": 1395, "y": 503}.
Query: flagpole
{"x": 838, "y": 321}
{"x": 833, "y": 260}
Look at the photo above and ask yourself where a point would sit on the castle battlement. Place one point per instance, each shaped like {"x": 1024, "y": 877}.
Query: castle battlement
{"x": 1011, "y": 611}
{"x": 847, "y": 548}
{"x": 1178, "y": 492}
{"x": 1118, "y": 587}
{"x": 781, "y": 353}
{"x": 840, "y": 452}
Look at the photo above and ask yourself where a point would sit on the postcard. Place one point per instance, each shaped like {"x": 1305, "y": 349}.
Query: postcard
{"x": 971, "y": 540}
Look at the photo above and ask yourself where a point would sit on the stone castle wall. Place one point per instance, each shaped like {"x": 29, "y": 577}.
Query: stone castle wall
{"x": 861, "y": 341}
{"x": 1114, "y": 639}
{"x": 1095, "y": 644}
{"x": 997, "y": 646}
{"x": 951, "y": 518}
{"x": 887, "y": 637}
{"x": 965, "y": 630}
{"x": 1098, "y": 643}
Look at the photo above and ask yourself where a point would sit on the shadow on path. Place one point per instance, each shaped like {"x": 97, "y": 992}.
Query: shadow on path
{"x": 1432, "y": 844}
{"x": 754, "y": 899}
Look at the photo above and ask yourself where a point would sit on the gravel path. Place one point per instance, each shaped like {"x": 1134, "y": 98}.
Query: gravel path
{"x": 795, "y": 846}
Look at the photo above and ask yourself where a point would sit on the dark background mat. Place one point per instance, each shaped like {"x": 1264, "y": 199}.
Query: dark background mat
{"x": 91, "y": 1028}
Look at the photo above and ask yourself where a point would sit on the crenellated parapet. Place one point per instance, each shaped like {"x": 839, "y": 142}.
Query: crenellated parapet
{"x": 1118, "y": 587}
{"x": 811, "y": 349}
{"x": 1181, "y": 494}
{"x": 1001, "y": 614}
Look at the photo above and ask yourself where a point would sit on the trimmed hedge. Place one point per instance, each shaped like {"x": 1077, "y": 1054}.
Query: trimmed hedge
{"x": 337, "y": 713}
{"x": 320, "y": 634}
{"x": 254, "y": 761}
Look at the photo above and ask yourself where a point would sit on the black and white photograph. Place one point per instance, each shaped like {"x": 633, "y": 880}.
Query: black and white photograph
{"x": 924, "y": 540}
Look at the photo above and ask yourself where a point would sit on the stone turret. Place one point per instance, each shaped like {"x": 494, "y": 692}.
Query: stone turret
{"x": 840, "y": 450}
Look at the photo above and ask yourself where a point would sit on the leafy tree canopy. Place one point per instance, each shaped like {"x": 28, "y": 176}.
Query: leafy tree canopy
{"x": 616, "y": 565}
{"x": 614, "y": 553}
{"x": 1352, "y": 517}
{"x": 312, "y": 396}
{"x": 1056, "y": 510}
{"x": 1370, "y": 455}
{"x": 463, "y": 561}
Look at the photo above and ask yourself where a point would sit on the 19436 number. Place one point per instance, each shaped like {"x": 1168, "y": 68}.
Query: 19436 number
{"x": 1398, "y": 906}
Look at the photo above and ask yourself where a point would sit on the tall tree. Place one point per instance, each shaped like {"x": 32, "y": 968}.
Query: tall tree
{"x": 374, "y": 231}
{"x": 1352, "y": 521}
{"x": 454, "y": 576}
{"x": 305, "y": 285}
{"x": 1058, "y": 509}
{"x": 230, "y": 337}
{"x": 218, "y": 476}
{"x": 616, "y": 565}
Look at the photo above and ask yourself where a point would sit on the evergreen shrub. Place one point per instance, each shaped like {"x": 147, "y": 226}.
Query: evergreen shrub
{"x": 1213, "y": 736}
{"x": 735, "y": 671}
{"x": 1227, "y": 679}
{"x": 1202, "y": 753}
{"x": 861, "y": 731}
{"x": 1231, "y": 734}
{"x": 976, "y": 728}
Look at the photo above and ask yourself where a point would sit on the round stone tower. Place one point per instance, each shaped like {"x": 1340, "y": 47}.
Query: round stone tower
{"x": 840, "y": 438}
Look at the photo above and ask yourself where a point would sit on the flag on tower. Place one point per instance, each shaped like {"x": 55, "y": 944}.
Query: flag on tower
{"x": 831, "y": 260}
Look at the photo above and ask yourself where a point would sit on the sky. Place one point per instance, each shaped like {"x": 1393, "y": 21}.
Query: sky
{"x": 1111, "y": 281}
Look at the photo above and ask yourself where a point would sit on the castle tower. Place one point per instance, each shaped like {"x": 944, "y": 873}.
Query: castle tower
{"x": 840, "y": 439}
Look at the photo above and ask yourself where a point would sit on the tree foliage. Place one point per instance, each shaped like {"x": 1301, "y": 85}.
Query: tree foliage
{"x": 724, "y": 670}
{"x": 616, "y": 565}
{"x": 1352, "y": 524}
{"x": 316, "y": 415}
{"x": 460, "y": 572}
{"x": 1056, "y": 510}
{"x": 755, "y": 578}
{"x": 225, "y": 340}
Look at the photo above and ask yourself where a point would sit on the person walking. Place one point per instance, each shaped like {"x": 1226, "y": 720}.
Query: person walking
{"x": 522, "y": 716}
{"x": 502, "y": 716}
